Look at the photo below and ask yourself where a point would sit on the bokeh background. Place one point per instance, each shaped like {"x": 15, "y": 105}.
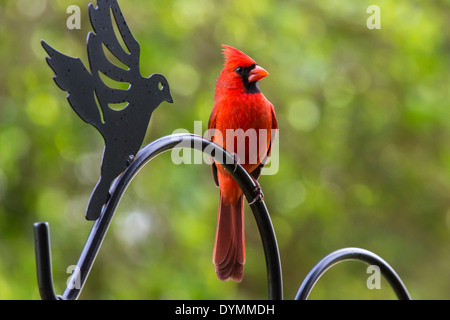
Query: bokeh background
{"x": 364, "y": 120}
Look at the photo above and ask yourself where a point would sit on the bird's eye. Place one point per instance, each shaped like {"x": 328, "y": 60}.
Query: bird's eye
{"x": 238, "y": 69}
{"x": 160, "y": 86}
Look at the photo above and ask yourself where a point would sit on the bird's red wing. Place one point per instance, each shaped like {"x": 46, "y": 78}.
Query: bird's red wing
{"x": 274, "y": 128}
{"x": 211, "y": 127}
{"x": 274, "y": 119}
{"x": 257, "y": 172}
{"x": 212, "y": 119}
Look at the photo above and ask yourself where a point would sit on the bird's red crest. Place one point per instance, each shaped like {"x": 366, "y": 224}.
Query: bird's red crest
{"x": 235, "y": 58}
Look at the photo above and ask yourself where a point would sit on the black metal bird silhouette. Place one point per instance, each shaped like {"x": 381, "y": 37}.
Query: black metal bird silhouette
{"x": 123, "y": 130}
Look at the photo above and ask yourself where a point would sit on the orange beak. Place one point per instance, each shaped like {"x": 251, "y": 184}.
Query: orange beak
{"x": 257, "y": 73}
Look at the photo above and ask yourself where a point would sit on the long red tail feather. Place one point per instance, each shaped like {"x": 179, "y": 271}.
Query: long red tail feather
{"x": 229, "y": 248}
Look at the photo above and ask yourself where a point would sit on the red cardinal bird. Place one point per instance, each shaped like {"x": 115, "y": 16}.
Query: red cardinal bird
{"x": 239, "y": 104}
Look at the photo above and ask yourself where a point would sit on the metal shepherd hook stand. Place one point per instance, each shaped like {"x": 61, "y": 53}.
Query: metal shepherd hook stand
{"x": 123, "y": 132}
{"x": 100, "y": 227}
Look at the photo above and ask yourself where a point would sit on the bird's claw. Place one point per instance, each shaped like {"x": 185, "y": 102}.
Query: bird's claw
{"x": 236, "y": 161}
{"x": 130, "y": 159}
{"x": 259, "y": 196}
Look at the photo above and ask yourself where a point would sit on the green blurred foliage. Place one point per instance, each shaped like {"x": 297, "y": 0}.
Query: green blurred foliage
{"x": 364, "y": 122}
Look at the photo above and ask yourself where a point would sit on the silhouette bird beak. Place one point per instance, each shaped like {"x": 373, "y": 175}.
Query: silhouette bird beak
{"x": 166, "y": 92}
{"x": 257, "y": 73}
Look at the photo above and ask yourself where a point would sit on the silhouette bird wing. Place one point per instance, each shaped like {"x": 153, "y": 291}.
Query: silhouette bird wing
{"x": 88, "y": 95}
{"x": 102, "y": 23}
{"x": 103, "y": 17}
{"x": 72, "y": 76}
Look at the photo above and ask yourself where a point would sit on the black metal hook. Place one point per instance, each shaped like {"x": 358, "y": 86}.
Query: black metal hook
{"x": 352, "y": 254}
{"x": 101, "y": 225}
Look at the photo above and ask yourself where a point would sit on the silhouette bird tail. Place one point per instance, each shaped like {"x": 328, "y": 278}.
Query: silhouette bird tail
{"x": 229, "y": 248}
{"x": 99, "y": 198}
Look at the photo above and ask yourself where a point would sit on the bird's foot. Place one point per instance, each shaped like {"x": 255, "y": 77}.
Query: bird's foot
{"x": 130, "y": 159}
{"x": 259, "y": 196}
{"x": 236, "y": 161}
{"x": 109, "y": 195}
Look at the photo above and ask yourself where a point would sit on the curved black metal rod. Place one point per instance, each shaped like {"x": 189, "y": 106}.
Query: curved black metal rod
{"x": 44, "y": 261}
{"x": 101, "y": 225}
{"x": 352, "y": 254}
